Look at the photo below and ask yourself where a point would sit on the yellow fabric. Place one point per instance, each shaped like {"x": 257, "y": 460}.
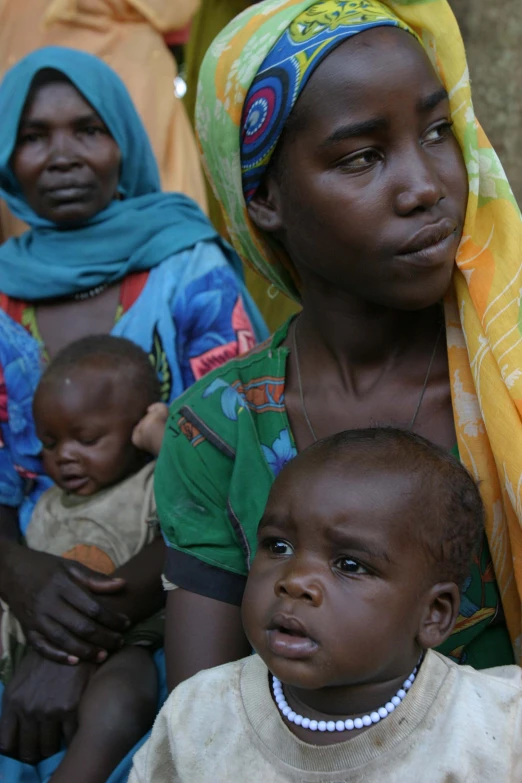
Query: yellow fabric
{"x": 127, "y": 35}
{"x": 484, "y": 332}
{"x": 213, "y": 15}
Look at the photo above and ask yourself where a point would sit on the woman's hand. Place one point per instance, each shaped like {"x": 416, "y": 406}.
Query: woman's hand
{"x": 52, "y": 599}
{"x": 39, "y": 707}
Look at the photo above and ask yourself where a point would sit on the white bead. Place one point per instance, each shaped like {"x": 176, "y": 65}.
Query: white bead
{"x": 358, "y": 724}
{"x": 395, "y": 701}
{"x": 286, "y": 711}
{"x": 313, "y": 725}
{"x": 401, "y": 694}
{"x": 291, "y": 715}
{"x": 383, "y": 712}
{"x": 407, "y": 685}
{"x": 330, "y": 726}
{"x": 348, "y": 724}
{"x": 298, "y": 720}
{"x": 305, "y": 723}
{"x": 375, "y": 717}
{"x": 389, "y": 707}
{"x": 280, "y": 700}
{"x": 321, "y": 726}
{"x": 277, "y": 690}
{"x": 367, "y": 721}
{"x": 340, "y": 725}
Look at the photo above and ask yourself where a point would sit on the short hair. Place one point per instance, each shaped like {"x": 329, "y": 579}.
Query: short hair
{"x": 454, "y": 520}
{"x": 118, "y": 354}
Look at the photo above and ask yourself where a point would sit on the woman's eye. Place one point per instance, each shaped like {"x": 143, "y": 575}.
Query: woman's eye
{"x": 277, "y": 546}
{"x": 439, "y": 133}
{"x": 349, "y": 566}
{"x": 30, "y": 138}
{"x": 360, "y": 160}
{"x": 48, "y": 446}
{"x": 92, "y": 130}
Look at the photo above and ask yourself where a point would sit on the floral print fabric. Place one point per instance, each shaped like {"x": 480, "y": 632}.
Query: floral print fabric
{"x": 187, "y": 313}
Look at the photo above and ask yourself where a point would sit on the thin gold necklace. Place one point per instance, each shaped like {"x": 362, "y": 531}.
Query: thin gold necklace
{"x": 300, "y": 382}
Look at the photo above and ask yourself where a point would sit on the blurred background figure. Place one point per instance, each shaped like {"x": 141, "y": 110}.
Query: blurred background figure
{"x": 128, "y": 36}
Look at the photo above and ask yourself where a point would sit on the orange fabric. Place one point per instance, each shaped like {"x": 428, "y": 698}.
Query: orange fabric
{"x": 92, "y": 557}
{"x": 128, "y": 36}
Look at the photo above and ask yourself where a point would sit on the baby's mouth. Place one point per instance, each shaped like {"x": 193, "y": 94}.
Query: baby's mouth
{"x": 288, "y": 638}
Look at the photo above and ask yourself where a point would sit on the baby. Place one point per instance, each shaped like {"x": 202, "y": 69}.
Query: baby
{"x": 363, "y": 547}
{"x": 97, "y": 415}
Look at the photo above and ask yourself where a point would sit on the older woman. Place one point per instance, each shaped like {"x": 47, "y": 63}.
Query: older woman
{"x": 327, "y": 129}
{"x": 106, "y": 252}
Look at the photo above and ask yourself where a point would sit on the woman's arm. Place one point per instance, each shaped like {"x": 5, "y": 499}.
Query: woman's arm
{"x": 143, "y": 594}
{"x": 200, "y": 633}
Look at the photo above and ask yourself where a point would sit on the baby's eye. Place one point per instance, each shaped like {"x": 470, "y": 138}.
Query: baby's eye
{"x": 350, "y": 566}
{"x": 276, "y": 546}
{"x": 89, "y": 441}
{"x": 438, "y": 133}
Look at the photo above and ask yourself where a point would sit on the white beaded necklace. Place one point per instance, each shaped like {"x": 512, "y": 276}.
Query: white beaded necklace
{"x": 341, "y": 725}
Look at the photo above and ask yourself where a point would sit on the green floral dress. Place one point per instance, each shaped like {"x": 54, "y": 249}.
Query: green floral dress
{"x": 227, "y": 438}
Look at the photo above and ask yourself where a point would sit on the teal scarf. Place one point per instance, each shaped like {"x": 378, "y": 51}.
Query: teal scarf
{"x": 137, "y": 233}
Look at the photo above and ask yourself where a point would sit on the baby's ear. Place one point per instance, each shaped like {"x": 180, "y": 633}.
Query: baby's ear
{"x": 440, "y": 614}
{"x": 264, "y": 208}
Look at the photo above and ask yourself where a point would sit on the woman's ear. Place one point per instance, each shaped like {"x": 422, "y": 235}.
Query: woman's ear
{"x": 440, "y": 614}
{"x": 265, "y": 207}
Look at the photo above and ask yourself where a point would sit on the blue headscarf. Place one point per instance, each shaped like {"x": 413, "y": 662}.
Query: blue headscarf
{"x": 137, "y": 233}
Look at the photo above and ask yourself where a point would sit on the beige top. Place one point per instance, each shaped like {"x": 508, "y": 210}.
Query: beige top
{"x": 114, "y": 522}
{"x": 456, "y": 725}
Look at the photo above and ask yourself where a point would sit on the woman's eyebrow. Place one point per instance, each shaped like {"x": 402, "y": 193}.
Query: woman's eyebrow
{"x": 433, "y": 100}
{"x": 356, "y": 129}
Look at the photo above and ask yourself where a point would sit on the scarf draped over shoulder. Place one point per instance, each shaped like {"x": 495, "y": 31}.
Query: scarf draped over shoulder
{"x": 133, "y": 234}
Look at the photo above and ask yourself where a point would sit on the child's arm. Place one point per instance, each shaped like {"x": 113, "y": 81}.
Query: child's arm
{"x": 148, "y": 433}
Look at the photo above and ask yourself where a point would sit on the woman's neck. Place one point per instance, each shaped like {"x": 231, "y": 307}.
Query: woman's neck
{"x": 359, "y": 337}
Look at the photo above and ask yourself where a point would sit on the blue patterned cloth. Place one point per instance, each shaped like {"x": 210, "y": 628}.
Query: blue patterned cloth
{"x": 190, "y": 318}
{"x": 288, "y": 67}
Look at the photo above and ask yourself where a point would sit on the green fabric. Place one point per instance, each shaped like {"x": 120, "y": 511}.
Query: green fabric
{"x": 227, "y": 438}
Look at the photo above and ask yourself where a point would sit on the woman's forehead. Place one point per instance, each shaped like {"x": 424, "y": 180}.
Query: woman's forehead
{"x": 361, "y": 71}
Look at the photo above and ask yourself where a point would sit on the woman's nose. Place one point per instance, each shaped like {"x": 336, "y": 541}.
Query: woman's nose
{"x": 419, "y": 187}
{"x": 299, "y": 584}
{"x": 63, "y": 152}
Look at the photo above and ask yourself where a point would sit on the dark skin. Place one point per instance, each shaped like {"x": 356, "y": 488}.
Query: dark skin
{"x": 68, "y": 612}
{"x": 85, "y": 422}
{"x": 342, "y": 599}
{"x": 368, "y": 197}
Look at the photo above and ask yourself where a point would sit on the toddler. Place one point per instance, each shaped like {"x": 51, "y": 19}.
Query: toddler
{"x": 364, "y": 545}
{"x": 97, "y": 415}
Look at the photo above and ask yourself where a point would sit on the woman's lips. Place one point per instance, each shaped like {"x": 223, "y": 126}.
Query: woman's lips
{"x": 429, "y": 236}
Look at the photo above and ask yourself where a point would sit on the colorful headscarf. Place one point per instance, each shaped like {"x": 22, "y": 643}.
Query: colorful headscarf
{"x": 484, "y": 331}
{"x": 286, "y": 70}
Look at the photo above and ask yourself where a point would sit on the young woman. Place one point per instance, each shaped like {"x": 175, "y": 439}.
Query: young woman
{"x": 342, "y": 142}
